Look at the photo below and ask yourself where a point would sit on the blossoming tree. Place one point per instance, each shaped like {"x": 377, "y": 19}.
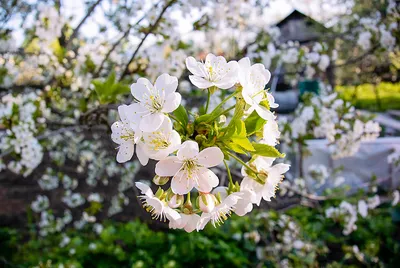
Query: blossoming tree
{"x": 144, "y": 82}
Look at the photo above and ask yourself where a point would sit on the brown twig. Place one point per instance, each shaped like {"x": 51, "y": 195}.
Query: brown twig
{"x": 76, "y": 30}
{"x": 152, "y": 28}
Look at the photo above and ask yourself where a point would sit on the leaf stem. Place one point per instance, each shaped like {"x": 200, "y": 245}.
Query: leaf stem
{"x": 221, "y": 113}
{"x": 229, "y": 173}
{"x": 241, "y": 161}
{"x": 208, "y": 100}
{"x": 176, "y": 119}
{"x": 225, "y": 100}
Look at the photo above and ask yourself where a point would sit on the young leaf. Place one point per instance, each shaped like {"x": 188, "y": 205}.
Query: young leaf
{"x": 182, "y": 115}
{"x": 254, "y": 123}
{"x": 266, "y": 150}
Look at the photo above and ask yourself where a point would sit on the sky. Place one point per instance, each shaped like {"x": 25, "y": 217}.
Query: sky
{"x": 320, "y": 10}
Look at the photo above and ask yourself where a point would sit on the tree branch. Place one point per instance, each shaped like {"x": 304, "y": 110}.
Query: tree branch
{"x": 120, "y": 40}
{"x": 152, "y": 28}
{"x": 76, "y": 30}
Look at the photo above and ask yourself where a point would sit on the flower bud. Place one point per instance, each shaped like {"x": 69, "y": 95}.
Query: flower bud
{"x": 207, "y": 202}
{"x": 175, "y": 201}
{"x": 158, "y": 180}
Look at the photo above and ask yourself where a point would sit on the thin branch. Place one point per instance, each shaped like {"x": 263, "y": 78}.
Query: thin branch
{"x": 356, "y": 59}
{"x": 152, "y": 28}
{"x": 120, "y": 40}
{"x": 76, "y": 30}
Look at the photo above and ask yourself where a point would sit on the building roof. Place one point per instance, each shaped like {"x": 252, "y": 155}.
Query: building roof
{"x": 300, "y": 27}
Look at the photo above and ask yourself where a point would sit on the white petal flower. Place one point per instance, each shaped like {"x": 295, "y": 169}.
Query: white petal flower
{"x": 363, "y": 208}
{"x": 158, "y": 208}
{"x": 396, "y": 198}
{"x": 126, "y": 134}
{"x": 253, "y": 79}
{"x": 271, "y": 133}
{"x": 214, "y": 72}
{"x": 188, "y": 222}
{"x": 245, "y": 204}
{"x": 272, "y": 176}
{"x": 161, "y": 142}
{"x": 220, "y": 213}
{"x": 190, "y": 168}
{"x": 155, "y": 101}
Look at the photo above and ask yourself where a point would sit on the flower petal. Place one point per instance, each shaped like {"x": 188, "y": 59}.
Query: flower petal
{"x": 194, "y": 66}
{"x": 168, "y": 166}
{"x": 206, "y": 180}
{"x": 144, "y": 188}
{"x": 125, "y": 152}
{"x": 117, "y": 129}
{"x": 171, "y": 214}
{"x": 166, "y": 84}
{"x": 181, "y": 183}
{"x": 151, "y": 122}
{"x": 244, "y": 71}
{"x": 172, "y": 101}
{"x": 188, "y": 150}
{"x": 141, "y": 155}
{"x": 140, "y": 91}
{"x": 191, "y": 222}
{"x": 280, "y": 168}
{"x": 271, "y": 101}
{"x": 200, "y": 82}
{"x": 210, "y": 157}
{"x": 204, "y": 219}
{"x": 264, "y": 113}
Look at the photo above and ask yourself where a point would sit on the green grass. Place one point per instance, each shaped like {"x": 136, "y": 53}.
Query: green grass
{"x": 364, "y": 96}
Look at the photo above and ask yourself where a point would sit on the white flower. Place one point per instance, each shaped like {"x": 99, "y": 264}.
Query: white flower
{"x": 323, "y": 62}
{"x": 126, "y": 134}
{"x": 363, "y": 208}
{"x": 364, "y": 40}
{"x": 374, "y": 201}
{"x": 188, "y": 222}
{"x": 245, "y": 204}
{"x": 190, "y": 168}
{"x": 161, "y": 142}
{"x": 272, "y": 176}
{"x": 214, "y": 72}
{"x": 387, "y": 40}
{"x": 220, "y": 212}
{"x": 253, "y": 79}
{"x": 158, "y": 208}
{"x": 271, "y": 133}
{"x": 40, "y": 204}
{"x": 396, "y": 197}
{"x": 155, "y": 101}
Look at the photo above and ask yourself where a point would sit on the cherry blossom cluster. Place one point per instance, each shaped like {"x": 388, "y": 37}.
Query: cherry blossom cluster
{"x": 20, "y": 115}
{"x": 158, "y": 127}
{"x": 328, "y": 116}
{"x": 347, "y": 213}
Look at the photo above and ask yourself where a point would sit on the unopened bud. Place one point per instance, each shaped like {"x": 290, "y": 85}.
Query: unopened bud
{"x": 159, "y": 193}
{"x": 207, "y": 202}
{"x": 158, "y": 180}
{"x": 175, "y": 201}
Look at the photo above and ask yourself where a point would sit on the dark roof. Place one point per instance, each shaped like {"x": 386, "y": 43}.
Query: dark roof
{"x": 299, "y": 27}
{"x": 297, "y": 15}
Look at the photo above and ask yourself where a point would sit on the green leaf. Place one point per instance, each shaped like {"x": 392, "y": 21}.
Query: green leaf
{"x": 208, "y": 118}
{"x": 236, "y": 138}
{"x": 182, "y": 115}
{"x": 254, "y": 123}
{"x": 109, "y": 90}
{"x": 266, "y": 150}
